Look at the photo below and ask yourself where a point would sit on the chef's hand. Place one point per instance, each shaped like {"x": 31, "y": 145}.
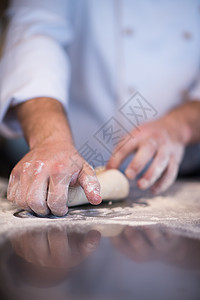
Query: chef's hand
{"x": 40, "y": 181}
{"x": 155, "y": 142}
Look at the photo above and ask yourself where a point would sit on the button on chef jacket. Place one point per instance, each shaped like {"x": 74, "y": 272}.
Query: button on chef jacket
{"x": 113, "y": 64}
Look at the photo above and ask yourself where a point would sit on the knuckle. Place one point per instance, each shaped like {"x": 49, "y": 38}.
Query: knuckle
{"x": 87, "y": 176}
{"x": 161, "y": 136}
{"x": 137, "y": 166}
{"x": 38, "y": 167}
{"x": 133, "y": 168}
{"x": 75, "y": 163}
{"x": 88, "y": 168}
{"x": 25, "y": 166}
{"x": 58, "y": 167}
{"x": 14, "y": 173}
{"x": 152, "y": 144}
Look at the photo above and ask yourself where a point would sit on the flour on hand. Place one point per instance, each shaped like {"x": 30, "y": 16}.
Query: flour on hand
{"x": 114, "y": 186}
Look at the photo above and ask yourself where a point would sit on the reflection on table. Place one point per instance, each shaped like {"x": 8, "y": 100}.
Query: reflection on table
{"x": 103, "y": 262}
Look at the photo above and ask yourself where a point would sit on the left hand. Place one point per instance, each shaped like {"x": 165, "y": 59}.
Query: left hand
{"x": 155, "y": 141}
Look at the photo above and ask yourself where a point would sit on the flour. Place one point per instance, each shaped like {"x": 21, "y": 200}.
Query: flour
{"x": 178, "y": 209}
{"x": 144, "y": 183}
{"x": 26, "y": 165}
{"x": 39, "y": 168}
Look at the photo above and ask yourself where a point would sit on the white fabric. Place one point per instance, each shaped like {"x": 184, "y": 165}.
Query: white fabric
{"x": 91, "y": 55}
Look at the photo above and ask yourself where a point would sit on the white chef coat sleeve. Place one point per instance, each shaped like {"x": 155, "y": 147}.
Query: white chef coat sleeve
{"x": 34, "y": 61}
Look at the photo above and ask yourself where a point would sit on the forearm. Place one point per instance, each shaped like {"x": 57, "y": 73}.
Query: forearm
{"x": 43, "y": 119}
{"x": 40, "y": 180}
{"x": 183, "y": 122}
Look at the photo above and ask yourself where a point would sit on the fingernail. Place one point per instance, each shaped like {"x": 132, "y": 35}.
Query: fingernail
{"x": 96, "y": 199}
{"x": 130, "y": 173}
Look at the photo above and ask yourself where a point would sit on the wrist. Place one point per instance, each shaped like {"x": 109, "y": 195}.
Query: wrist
{"x": 47, "y": 139}
{"x": 44, "y": 121}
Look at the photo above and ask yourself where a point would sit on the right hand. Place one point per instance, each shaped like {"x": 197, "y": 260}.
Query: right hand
{"x": 39, "y": 182}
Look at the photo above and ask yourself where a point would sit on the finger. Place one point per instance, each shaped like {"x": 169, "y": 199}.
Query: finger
{"x": 132, "y": 244}
{"x": 57, "y": 193}
{"x": 59, "y": 248}
{"x": 90, "y": 243}
{"x": 123, "y": 246}
{"x": 167, "y": 179}
{"x": 12, "y": 186}
{"x": 90, "y": 184}
{"x": 82, "y": 245}
{"x": 30, "y": 246}
{"x": 36, "y": 247}
{"x": 17, "y": 244}
{"x": 144, "y": 154}
{"x": 22, "y": 189}
{"x": 156, "y": 238}
{"x": 155, "y": 170}
{"x": 141, "y": 248}
{"x": 36, "y": 195}
{"x": 127, "y": 146}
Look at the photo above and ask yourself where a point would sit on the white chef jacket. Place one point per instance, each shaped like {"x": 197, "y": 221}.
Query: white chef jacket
{"x": 113, "y": 64}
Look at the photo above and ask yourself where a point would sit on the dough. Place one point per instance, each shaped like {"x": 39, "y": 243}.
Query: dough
{"x": 114, "y": 186}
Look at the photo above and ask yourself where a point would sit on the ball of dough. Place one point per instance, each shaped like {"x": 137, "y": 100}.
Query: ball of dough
{"x": 114, "y": 186}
